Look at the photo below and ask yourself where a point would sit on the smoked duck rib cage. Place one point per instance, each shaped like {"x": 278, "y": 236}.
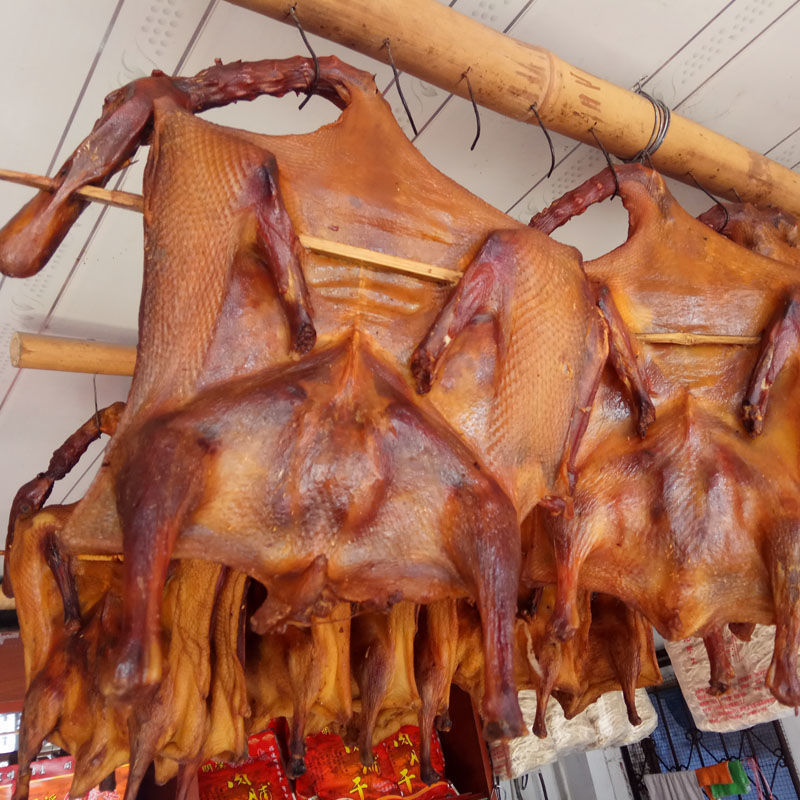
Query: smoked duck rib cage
{"x": 696, "y": 527}
{"x": 273, "y": 425}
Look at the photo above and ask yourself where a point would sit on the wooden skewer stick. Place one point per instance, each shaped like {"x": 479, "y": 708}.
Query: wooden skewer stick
{"x": 691, "y": 339}
{"x": 88, "y": 556}
{"x": 96, "y": 194}
{"x": 360, "y": 255}
{"x": 33, "y": 351}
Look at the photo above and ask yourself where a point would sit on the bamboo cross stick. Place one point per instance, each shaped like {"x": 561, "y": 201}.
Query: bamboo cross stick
{"x": 372, "y": 258}
{"x": 74, "y": 355}
{"x": 86, "y": 556}
{"x": 33, "y": 351}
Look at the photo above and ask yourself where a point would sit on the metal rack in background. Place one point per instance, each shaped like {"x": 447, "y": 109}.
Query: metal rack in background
{"x": 677, "y": 744}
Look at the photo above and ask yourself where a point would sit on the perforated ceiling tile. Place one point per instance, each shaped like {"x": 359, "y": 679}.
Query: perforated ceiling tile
{"x": 713, "y": 46}
{"x": 39, "y": 84}
{"x": 617, "y": 40}
{"x": 787, "y": 150}
{"x": 768, "y": 113}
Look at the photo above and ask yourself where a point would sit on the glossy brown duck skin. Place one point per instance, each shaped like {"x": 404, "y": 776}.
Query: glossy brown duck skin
{"x": 719, "y": 657}
{"x": 229, "y": 706}
{"x": 435, "y": 663}
{"x": 620, "y": 655}
{"x": 700, "y": 519}
{"x": 53, "y": 589}
{"x": 612, "y": 650}
{"x": 69, "y": 619}
{"x": 509, "y": 368}
{"x": 174, "y": 721}
{"x": 382, "y": 655}
{"x": 30, "y": 498}
{"x": 62, "y": 701}
{"x": 55, "y": 598}
{"x": 302, "y": 674}
{"x": 768, "y": 231}
{"x": 552, "y": 665}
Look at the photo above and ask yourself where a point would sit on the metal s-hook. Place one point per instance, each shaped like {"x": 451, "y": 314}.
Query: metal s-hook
{"x": 711, "y": 196}
{"x": 465, "y": 76}
{"x": 608, "y": 161}
{"x": 96, "y": 409}
{"x": 293, "y": 15}
{"x": 397, "y": 83}
{"x": 549, "y": 140}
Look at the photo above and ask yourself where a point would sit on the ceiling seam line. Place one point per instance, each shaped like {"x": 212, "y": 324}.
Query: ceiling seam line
{"x": 195, "y": 35}
{"x": 734, "y": 56}
{"x": 10, "y": 387}
{"x": 700, "y": 30}
{"x": 87, "y": 80}
{"x": 778, "y": 144}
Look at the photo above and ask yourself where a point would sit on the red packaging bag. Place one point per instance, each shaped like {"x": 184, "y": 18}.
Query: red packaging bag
{"x": 260, "y": 777}
{"x": 51, "y": 779}
{"x": 403, "y": 749}
{"x": 334, "y": 770}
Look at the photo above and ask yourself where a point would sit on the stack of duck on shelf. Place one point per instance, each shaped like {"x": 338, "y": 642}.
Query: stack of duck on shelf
{"x": 337, "y": 489}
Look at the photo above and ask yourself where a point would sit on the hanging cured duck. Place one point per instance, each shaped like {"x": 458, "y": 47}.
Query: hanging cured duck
{"x": 336, "y": 432}
{"x": 695, "y": 526}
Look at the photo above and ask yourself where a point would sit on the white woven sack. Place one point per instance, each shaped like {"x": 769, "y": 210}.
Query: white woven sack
{"x": 602, "y": 724}
{"x": 748, "y": 702}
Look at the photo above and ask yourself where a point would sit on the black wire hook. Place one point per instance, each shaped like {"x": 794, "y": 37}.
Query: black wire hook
{"x": 314, "y": 58}
{"x": 608, "y": 161}
{"x": 711, "y": 196}
{"x": 549, "y": 140}
{"x": 397, "y": 83}
{"x": 96, "y": 409}
{"x": 465, "y": 76}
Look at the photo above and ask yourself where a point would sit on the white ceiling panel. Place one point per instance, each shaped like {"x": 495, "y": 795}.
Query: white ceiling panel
{"x": 714, "y": 46}
{"x": 727, "y": 103}
{"x": 39, "y": 415}
{"x": 30, "y": 131}
{"x": 787, "y": 150}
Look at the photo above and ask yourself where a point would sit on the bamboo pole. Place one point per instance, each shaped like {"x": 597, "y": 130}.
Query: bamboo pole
{"x": 33, "y": 351}
{"x": 437, "y": 44}
{"x": 71, "y": 355}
